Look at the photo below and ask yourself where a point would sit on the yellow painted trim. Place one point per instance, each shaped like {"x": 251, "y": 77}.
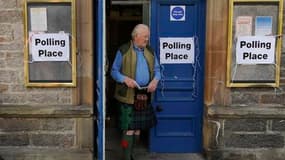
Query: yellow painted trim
{"x": 230, "y": 32}
{"x": 256, "y": 1}
{"x": 278, "y": 46}
{"x": 279, "y": 42}
{"x": 26, "y": 46}
{"x": 73, "y": 46}
{"x": 49, "y": 1}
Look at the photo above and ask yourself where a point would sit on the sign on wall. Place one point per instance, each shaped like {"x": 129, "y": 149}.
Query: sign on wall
{"x": 177, "y": 13}
{"x": 178, "y": 50}
{"x": 255, "y": 50}
{"x": 50, "y": 47}
{"x": 254, "y": 43}
{"x": 50, "y": 43}
{"x": 263, "y": 25}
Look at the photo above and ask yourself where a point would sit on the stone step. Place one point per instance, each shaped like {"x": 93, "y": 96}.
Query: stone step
{"x": 141, "y": 152}
{"x": 44, "y": 154}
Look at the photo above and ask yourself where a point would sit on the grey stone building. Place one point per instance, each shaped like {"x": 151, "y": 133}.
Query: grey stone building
{"x": 245, "y": 123}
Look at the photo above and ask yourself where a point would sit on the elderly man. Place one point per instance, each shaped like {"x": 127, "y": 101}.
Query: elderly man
{"x": 137, "y": 73}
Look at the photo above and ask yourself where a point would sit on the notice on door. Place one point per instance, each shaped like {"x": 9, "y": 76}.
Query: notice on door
{"x": 50, "y": 47}
{"x": 178, "y": 50}
{"x": 177, "y": 13}
{"x": 255, "y": 50}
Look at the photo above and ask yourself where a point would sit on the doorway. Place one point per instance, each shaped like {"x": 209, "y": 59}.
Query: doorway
{"x": 121, "y": 17}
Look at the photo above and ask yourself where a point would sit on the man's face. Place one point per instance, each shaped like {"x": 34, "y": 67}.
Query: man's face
{"x": 141, "y": 39}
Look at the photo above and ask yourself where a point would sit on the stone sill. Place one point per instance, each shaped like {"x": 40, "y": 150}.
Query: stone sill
{"x": 57, "y": 111}
{"x": 272, "y": 112}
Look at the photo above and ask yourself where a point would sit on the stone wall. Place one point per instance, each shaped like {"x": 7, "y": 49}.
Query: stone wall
{"x": 35, "y": 122}
{"x": 28, "y": 131}
{"x": 12, "y": 87}
{"x": 40, "y": 132}
{"x": 240, "y": 123}
{"x": 247, "y": 133}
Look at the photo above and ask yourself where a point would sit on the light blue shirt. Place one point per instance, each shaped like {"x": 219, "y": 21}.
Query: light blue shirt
{"x": 142, "y": 73}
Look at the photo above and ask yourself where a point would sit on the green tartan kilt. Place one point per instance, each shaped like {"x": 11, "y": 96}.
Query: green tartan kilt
{"x": 131, "y": 119}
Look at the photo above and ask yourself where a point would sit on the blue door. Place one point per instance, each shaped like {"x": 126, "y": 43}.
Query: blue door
{"x": 100, "y": 79}
{"x": 178, "y": 100}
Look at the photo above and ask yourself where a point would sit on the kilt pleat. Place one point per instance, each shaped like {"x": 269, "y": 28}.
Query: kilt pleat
{"x": 131, "y": 119}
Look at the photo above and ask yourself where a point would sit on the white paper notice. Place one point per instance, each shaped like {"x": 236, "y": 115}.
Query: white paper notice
{"x": 243, "y": 26}
{"x": 38, "y": 19}
{"x": 178, "y": 50}
{"x": 50, "y": 47}
{"x": 255, "y": 50}
{"x": 263, "y": 25}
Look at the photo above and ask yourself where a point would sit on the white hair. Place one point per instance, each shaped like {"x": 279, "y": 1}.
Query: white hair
{"x": 138, "y": 28}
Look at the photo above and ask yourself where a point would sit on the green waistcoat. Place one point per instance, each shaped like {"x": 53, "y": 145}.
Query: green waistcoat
{"x": 129, "y": 62}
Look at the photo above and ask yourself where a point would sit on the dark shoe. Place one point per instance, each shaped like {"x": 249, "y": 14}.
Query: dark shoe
{"x": 132, "y": 158}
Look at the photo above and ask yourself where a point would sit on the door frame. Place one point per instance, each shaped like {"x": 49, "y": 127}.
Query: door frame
{"x": 100, "y": 82}
{"x": 100, "y": 48}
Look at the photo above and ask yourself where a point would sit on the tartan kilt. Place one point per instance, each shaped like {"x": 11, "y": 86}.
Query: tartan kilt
{"x": 131, "y": 119}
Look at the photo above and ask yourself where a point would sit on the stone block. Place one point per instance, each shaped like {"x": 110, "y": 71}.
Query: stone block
{"x": 18, "y": 33}
{"x": 58, "y": 124}
{"x": 31, "y": 153}
{"x": 14, "y": 98}
{"x": 255, "y": 141}
{"x": 7, "y": 76}
{"x": 18, "y": 88}
{"x": 273, "y": 99}
{"x": 244, "y": 98}
{"x": 8, "y": 4}
{"x": 53, "y": 140}
{"x": 214, "y": 131}
{"x": 15, "y": 60}
{"x": 5, "y": 29}
{"x": 3, "y": 87}
{"x": 245, "y": 125}
{"x": 239, "y": 156}
{"x": 42, "y": 97}
{"x": 278, "y": 125}
{"x": 10, "y": 16}
{"x": 12, "y": 46}
{"x": 271, "y": 154}
{"x": 84, "y": 132}
{"x": 2, "y": 63}
{"x": 17, "y": 124}
{"x": 215, "y": 155}
{"x": 14, "y": 139}
{"x": 5, "y": 39}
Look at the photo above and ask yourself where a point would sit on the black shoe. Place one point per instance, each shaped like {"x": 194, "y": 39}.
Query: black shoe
{"x": 132, "y": 158}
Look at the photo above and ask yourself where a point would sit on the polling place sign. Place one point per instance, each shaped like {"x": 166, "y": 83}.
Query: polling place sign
{"x": 255, "y": 50}
{"x": 177, "y": 50}
{"x": 50, "y": 47}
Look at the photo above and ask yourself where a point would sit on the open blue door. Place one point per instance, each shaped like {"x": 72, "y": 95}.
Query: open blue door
{"x": 99, "y": 55}
{"x": 179, "y": 98}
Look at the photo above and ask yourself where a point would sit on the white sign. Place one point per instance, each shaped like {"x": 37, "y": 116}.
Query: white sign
{"x": 38, "y": 19}
{"x": 243, "y": 26}
{"x": 177, "y": 50}
{"x": 263, "y": 25}
{"x": 50, "y": 47}
{"x": 255, "y": 50}
{"x": 177, "y": 13}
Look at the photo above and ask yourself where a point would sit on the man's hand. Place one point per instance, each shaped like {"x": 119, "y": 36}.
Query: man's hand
{"x": 130, "y": 82}
{"x": 152, "y": 85}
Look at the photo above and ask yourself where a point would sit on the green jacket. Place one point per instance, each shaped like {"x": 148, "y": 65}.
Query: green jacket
{"x": 129, "y": 59}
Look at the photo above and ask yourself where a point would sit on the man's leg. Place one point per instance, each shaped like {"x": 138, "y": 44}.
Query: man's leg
{"x": 137, "y": 136}
{"x": 127, "y": 144}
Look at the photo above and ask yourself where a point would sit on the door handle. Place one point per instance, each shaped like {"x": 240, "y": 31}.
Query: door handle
{"x": 159, "y": 108}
